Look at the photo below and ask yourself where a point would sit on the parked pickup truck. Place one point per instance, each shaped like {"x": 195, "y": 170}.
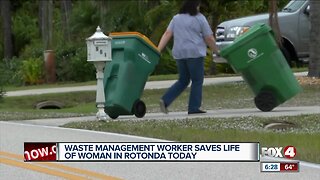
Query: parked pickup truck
{"x": 294, "y": 26}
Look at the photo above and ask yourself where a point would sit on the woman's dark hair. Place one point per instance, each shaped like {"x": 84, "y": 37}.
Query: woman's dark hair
{"x": 190, "y": 7}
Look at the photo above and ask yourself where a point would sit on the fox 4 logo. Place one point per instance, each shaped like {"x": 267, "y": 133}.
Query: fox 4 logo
{"x": 288, "y": 151}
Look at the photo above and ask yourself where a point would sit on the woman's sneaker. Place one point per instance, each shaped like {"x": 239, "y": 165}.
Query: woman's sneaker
{"x": 163, "y": 107}
{"x": 199, "y": 111}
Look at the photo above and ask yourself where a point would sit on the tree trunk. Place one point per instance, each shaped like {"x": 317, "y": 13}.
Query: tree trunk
{"x": 7, "y": 36}
{"x": 213, "y": 20}
{"x": 50, "y": 24}
{"x": 45, "y": 19}
{"x": 104, "y": 8}
{"x": 40, "y": 17}
{"x": 314, "y": 60}
{"x": 46, "y": 27}
{"x": 273, "y": 20}
{"x": 66, "y": 8}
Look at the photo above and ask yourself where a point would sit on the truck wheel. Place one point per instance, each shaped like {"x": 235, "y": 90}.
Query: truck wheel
{"x": 287, "y": 55}
{"x": 292, "y": 59}
{"x": 139, "y": 109}
{"x": 265, "y": 101}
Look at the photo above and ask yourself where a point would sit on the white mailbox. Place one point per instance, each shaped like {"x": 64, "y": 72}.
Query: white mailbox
{"x": 99, "y": 47}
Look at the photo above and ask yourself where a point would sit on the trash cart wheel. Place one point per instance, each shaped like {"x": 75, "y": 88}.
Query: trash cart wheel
{"x": 265, "y": 101}
{"x": 139, "y": 109}
{"x": 113, "y": 116}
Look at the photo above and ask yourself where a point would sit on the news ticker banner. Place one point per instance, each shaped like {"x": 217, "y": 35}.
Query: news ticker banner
{"x": 142, "y": 152}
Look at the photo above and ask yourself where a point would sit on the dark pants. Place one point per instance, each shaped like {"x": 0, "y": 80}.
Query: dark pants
{"x": 189, "y": 69}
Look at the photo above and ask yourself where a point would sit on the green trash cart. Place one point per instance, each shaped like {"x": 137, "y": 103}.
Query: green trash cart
{"x": 134, "y": 58}
{"x": 258, "y": 58}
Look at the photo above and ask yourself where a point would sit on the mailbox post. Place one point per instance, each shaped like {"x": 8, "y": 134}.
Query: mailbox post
{"x": 99, "y": 52}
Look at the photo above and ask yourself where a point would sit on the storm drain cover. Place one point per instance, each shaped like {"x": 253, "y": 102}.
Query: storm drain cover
{"x": 279, "y": 125}
{"x": 49, "y": 105}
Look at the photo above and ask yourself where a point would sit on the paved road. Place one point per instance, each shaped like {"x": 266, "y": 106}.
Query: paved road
{"x": 14, "y": 134}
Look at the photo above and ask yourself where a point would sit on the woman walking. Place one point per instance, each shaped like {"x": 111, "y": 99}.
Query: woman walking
{"x": 191, "y": 35}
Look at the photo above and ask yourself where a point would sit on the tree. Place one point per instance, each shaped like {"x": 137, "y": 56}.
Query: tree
{"x": 7, "y": 37}
{"x": 314, "y": 60}
{"x": 66, "y": 8}
{"x": 273, "y": 20}
{"x": 45, "y": 22}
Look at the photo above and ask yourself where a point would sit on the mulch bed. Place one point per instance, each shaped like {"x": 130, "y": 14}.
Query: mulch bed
{"x": 304, "y": 80}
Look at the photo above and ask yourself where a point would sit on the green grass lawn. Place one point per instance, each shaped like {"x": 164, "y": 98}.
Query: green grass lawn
{"x": 304, "y": 135}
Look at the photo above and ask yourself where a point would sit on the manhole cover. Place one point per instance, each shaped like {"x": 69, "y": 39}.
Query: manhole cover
{"x": 49, "y": 105}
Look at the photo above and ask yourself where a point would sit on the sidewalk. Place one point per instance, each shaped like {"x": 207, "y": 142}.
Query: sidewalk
{"x": 221, "y": 113}
{"x": 149, "y": 85}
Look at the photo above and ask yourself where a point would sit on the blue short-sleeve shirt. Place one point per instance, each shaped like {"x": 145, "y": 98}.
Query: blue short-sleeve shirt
{"x": 188, "y": 35}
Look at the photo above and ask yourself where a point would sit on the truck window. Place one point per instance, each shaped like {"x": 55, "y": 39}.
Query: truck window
{"x": 293, "y": 6}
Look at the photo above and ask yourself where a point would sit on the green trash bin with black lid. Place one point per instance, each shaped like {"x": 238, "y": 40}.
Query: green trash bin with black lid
{"x": 264, "y": 68}
{"x": 134, "y": 58}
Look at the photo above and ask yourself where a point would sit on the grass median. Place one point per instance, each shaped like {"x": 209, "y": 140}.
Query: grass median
{"x": 304, "y": 134}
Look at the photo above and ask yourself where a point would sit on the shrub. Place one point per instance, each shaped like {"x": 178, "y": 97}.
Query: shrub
{"x": 72, "y": 65}
{"x": 32, "y": 71}
{"x": 33, "y": 50}
{"x": 167, "y": 64}
{"x": 209, "y": 65}
{"x": 24, "y": 25}
{"x": 10, "y": 72}
{"x": 224, "y": 68}
{"x": 2, "y": 92}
